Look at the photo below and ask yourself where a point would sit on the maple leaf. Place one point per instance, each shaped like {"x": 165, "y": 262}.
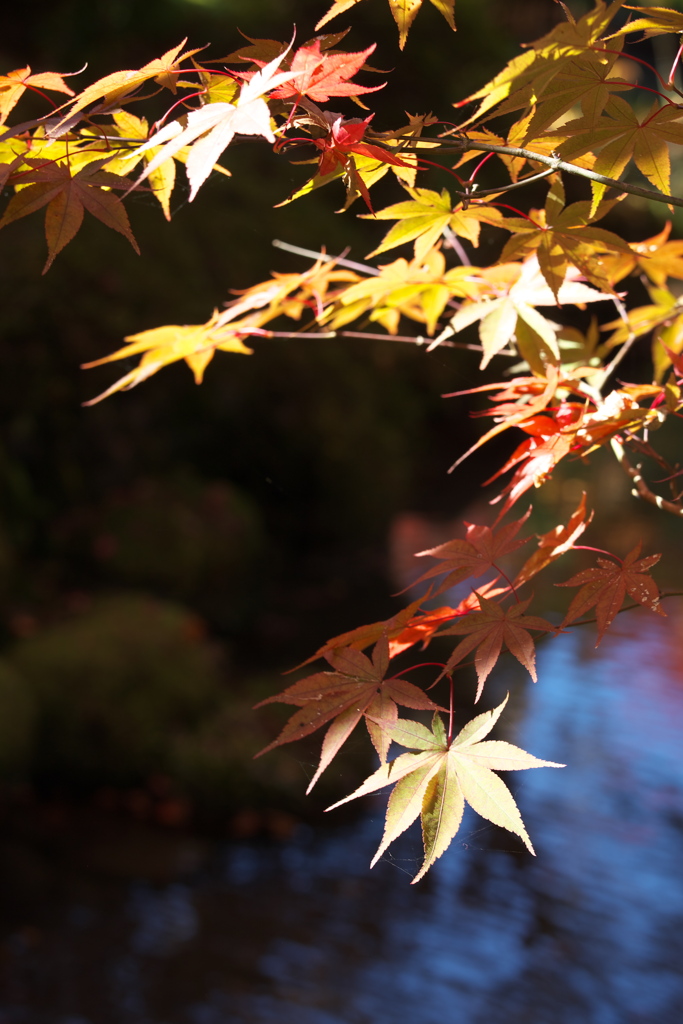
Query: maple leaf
{"x": 425, "y": 217}
{"x": 643, "y": 319}
{"x": 437, "y": 777}
{"x": 622, "y": 135}
{"x": 555, "y": 543}
{"x": 488, "y": 630}
{"x": 15, "y": 83}
{"x": 320, "y": 75}
{"x": 619, "y": 411}
{"x": 656, "y": 256}
{"x": 475, "y": 555}
{"x": 562, "y": 237}
{"x": 531, "y": 75}
{"x": 161, "y": 346}
{"x": 66, "y": 195}
{"x": 211, "y": 128}
{"x": 502, "y": 320}
{"x": 523, "y": 399}
{"x": 658, "y": 20}
{"x": 403, "y": 11}
{"x": 418, "y": 289}
{"x": 538, "y": 457}
{"x": 355, "y": 688}
{"x": 607, "y": 586}
{"x": 583, "y": 80}
{"x": 343, "y": 141}
{"x": 552, "y": 437}
{"x": 197, "y": 343}
{"x": 162, "y": 179}
{"x": 368, "y": 169}
{"x": 361, "y": 637}
{"x": 116, "y": 87}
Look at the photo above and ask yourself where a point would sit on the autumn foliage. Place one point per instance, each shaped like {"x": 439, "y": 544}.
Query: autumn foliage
{"x": 562, "y": 110}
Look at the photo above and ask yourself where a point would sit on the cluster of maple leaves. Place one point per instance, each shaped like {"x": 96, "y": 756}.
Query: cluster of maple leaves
{"x": 564, "y": 95}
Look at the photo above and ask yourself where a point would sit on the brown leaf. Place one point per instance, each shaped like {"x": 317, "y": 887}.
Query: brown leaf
{"x": 66, "y": 196}
{"x": 475, "y": 555}
{"x": 607, "y": 586}
{"x": 488, "y": 629}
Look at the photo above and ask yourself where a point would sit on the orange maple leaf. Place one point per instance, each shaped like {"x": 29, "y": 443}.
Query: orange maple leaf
{"x": 473, "y": 556}
{"x": 554, "y": 543}
{"x": 607, "y": 586}
{"x": 488, "y": 630}
{"x": 14, "y": 84}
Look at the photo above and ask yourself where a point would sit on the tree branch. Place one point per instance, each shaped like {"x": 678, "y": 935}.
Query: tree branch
{"x": 556, "y": 164}
{"x": 641, "y": 489}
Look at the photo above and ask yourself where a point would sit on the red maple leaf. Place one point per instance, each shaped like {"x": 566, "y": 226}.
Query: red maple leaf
{"x": 321, "y": 75}
{"x": 488, "y": 629}
{"x": 423, "y": 626}
{"x": 607, "y": 586}
{"x": 344, "y": 139}
{"x": 474, "y": 555}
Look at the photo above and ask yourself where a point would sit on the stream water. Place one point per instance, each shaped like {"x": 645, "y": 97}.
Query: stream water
{"x": 301, "y": 932}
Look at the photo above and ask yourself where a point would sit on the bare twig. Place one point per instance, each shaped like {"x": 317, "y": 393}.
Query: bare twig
{"x": 641, "y": 489}
{"x": 623, "y": 350}
{"x": 559, "y": 165}
{"x": 419, "y": 340}
{"x": 456, "y": 245}
{"x": 312, "y": 254}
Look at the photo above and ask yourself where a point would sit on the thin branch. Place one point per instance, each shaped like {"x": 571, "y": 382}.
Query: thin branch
{"x": 560, "y": 165}
{"x": 312, "y": 254}
{"x": 420, "y": 340}
{"x": 477, "y": 193}
{"x": 456, "y": 245}
{"x": 641, "y": 489}
{"x": 626, "y": 608}
{"x": 623, "y": 350}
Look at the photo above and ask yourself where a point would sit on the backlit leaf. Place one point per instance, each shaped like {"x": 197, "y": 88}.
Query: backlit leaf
{"x": 606, "y": 586}
{"x": 436, "y": 781}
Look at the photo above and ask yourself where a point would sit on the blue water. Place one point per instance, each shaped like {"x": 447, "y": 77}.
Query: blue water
{"x": 590, "y": 931}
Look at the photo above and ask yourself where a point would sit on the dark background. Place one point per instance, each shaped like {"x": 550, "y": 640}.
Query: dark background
{"x": 252, "y": 514}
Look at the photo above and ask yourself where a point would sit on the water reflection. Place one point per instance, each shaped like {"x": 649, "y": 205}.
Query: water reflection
{"x": 301, "y": 933}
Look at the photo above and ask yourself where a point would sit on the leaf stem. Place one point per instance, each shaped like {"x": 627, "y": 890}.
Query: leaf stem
{"x": 450, "y": 711}
{"x": 422, "y": 664}
{"x": 599, "y": 551}
{"x": 507, "y": 579}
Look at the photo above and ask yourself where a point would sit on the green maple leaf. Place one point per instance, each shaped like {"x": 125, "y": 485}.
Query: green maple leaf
{"x": 658, "y": 21}
{"x": 437, "y": 778}
{"x": 581, "y": 81}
